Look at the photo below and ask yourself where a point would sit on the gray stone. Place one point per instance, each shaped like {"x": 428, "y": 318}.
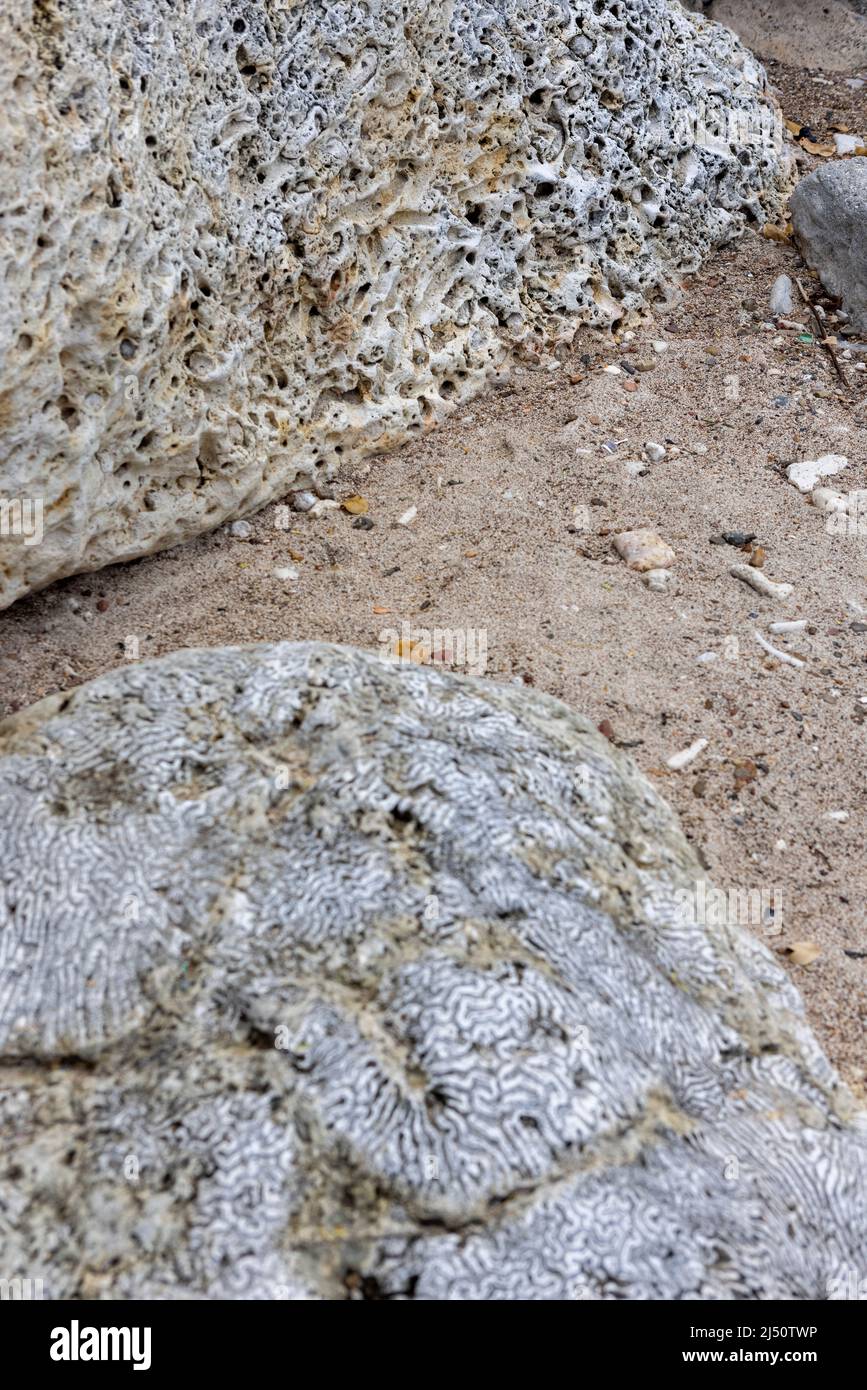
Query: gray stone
{"x": 325, "y": 977}
{"x": 829, "y": 214}
{"x": 246, "y": 241}
{"x": 781, "y": 298}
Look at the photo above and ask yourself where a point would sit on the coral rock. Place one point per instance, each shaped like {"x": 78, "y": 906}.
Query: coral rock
{"x": 327, "y": 977}
{"x": 244, "y": 241}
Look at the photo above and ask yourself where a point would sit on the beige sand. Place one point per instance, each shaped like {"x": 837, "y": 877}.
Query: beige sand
{"x": 496, "y": 490}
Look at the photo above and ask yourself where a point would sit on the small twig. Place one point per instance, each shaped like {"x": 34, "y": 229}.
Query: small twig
{"x": 823, "y": 335}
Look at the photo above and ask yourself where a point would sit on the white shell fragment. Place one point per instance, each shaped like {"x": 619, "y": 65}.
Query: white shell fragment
{"x": 323, "y": 973}
{"x": 644, "y": 550}
{"x": 678, "y": 761}
{"x": 758, "y": 580}
{"x": 807, "y": 474}
{"x": 774, "y": 651}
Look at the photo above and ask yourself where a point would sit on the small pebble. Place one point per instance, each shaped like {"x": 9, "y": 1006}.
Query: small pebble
{"x": 660, "y": 581}
{"x": 241, "y": 530}
{"x": 644, "y": 550}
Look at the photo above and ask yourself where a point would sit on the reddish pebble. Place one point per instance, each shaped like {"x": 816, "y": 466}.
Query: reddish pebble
{"x": 606, "y": 729}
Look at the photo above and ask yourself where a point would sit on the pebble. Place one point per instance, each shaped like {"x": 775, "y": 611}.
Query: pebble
{"x": 644, "y": 550}
{"x": 304, "y": 501}
{"x": 829, "y": 500}
{"x": 241, "y": 530}
{"x": 758, "y": 580}
{"x": 700, "y": 449}
{"x": 806, "y": 474}
{"x": 660, "y": 345}
{"x": 782, "y": 302}
{"x": 286, "y": 572}
{"x": 323, "y": 505}
{"x": 362, "y": 523}
{"x": 840, "y": 816}
{"x": 660, "y": 581}
{"x": 408, "y": 516}
{"x": 655, "y": 452}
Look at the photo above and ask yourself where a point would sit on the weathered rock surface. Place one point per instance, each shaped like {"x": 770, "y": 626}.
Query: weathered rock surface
{"x": 244, "y": 240}
{"x": 324, "y": 977}
{"x": 829, "y": 214}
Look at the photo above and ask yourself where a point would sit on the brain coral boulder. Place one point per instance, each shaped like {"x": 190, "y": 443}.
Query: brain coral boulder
{"x": 328, "y": 978}
{"x": 243, "y": 239}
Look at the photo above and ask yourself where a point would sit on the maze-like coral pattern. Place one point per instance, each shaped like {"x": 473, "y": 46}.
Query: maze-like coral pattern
{"x": 244, "y": 239}
{"x": 324, "y": 977}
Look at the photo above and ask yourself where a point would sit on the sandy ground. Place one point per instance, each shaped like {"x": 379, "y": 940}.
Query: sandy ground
{"x": 776, "y": 801}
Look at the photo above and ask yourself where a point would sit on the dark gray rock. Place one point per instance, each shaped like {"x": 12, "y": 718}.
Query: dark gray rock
{"x": 829, "y": 213}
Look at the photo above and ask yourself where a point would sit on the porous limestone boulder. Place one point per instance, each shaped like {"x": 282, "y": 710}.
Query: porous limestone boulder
{"x": 243, "y": 240}
{"x": 829, "y": 215}
{"x": 329, "y": 978}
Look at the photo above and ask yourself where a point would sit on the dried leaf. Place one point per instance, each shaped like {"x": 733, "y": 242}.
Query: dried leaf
{"x": 356, "y": 506}
{"x": 776, "y": 233}
{"x": 812, "y": 147}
